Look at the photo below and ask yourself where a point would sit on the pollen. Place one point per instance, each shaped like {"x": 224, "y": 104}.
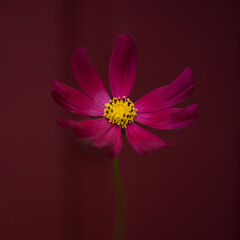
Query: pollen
{"x": 120, "y": 112}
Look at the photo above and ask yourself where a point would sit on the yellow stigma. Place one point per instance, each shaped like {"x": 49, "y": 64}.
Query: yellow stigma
{"x": 120, "y": 112}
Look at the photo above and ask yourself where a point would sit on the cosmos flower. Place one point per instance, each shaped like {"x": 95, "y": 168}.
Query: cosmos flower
{"x": 112, "y": 116}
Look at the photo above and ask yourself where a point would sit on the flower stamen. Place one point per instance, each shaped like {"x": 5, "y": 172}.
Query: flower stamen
{"x": 120, "y": 112}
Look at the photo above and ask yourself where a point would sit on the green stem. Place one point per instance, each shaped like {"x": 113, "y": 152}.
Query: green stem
{"x": 120, "y": 215}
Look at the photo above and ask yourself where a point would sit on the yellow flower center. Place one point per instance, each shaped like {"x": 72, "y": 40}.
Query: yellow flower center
{"x": 120, "y": 112}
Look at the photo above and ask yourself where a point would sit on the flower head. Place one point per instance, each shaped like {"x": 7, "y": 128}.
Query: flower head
{"x": 120, "y": 113}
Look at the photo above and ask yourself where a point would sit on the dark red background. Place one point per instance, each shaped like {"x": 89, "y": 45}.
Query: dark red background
{"x": 55, "y": 186}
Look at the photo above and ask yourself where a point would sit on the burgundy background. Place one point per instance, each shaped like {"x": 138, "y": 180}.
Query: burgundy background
{"x": 55, "y": 186}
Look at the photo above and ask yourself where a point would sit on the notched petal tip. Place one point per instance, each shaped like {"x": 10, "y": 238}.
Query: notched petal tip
{"x": 127, "y": 36}
{"x": 79, "y": 49}
{"x": 64, "y": 123}
{"x": 188, "y": 69}
{"x": 54, "y": 85}
{"x": 144, "y": 141}
{"x": 79, "y": 53}
{"x": 168, "y": 143}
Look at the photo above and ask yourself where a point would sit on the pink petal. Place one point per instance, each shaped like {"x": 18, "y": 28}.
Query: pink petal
{"x": 103, "y": 132}
{"x": 74, "y": 101}
{"x": 142, "y": 140}
{"x": 171, "y": 118}
{"x": 111, "y": 137}
{"x": 87, "y": 77}
{"x": 123, "y": 66}
{"x": 167, "y": 96}
{"x": 87, "y": 128}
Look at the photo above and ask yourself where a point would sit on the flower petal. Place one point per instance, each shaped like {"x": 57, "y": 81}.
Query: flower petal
{"x": 171, "y": 118}
{"x": 123, "y": 66}
{"x": 87, "y": 77}
{"x": 103, "y": 132}
{"x": 142, "y": 140}
{"x": 111, "y": 137}
{"x": 87, "y": 128}
{"x": 74, "y": 101}
{"x": 167, "y": 96}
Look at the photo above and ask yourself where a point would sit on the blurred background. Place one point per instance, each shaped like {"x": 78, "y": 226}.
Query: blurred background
{"x": 55, "y": 186}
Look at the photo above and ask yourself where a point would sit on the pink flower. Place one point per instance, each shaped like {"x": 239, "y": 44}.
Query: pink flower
{"x": 120, "y": 113}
